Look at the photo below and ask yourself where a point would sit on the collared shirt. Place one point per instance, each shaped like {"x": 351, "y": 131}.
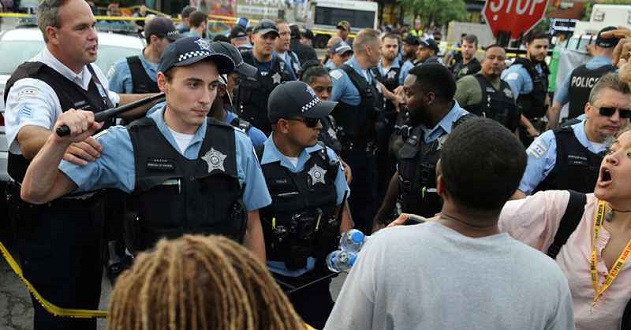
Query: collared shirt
{"x": 329, "y": 65}
{"x": 271, "y": 154}
{"x": 290, "y": 58}
{"x": 32, "y": 102}
{"x": 256, "y": 135}
{"x": 518, "y": 78}
{"x": 343, "y": 88}
{"x": 562, "y": 94}
{"x": 444, "y": 126}
{"x": 403, "y": 72}
{"x": 120, "y": 74}
{"x": 535, "y": 221}
{"x": 116, "y": 166}
{"x": 542, "y": 155}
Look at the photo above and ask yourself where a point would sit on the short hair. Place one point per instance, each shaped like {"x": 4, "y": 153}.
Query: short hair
{"x": 311, "y": 72}
{"x": 48, "y": 15}
{"x": 534, "y": 35}
{"x": 482, "y": 164}
{"x": 610, "y": 80}
{"x": 494, "y": 46}
{"x": 365, "y": 37}
{"x": 472, "y": 39}
{"x": 187, "y": 11}
{"x": 436, "y": 78}
{"x": 391, "y": 35}
{"x": 199, "y": 282}
{"x": 197, "y": 18}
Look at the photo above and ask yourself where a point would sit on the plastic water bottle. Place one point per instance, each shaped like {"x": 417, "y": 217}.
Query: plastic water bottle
{"x": 352, "y": 240}
{"x": 339, "y": 261}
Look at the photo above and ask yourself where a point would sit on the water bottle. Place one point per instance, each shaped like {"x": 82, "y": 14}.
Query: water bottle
{"x": 352, "y": 241}
{"x": 339, "y": 261}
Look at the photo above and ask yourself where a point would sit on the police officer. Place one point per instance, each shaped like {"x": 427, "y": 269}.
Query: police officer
{"x": 570, "y": 157}
{"x": 339, "y": 53}
{"x": 485, "y": 94}
{"x": 528, "y": 77}
{"x": 187, "y": 173}
{"x": 239, "y": 38}
{"x": 427, "y": 52}
{"x": 254, "y": 92}
{"x": 59, "y": 243}
{"x": 137, "y": 74}
{"x": 577, "y": 86}
{"x": 307, "y": 185}
{"x": 410, "y": 46}
{"x": 359, "y": 107}
{"x": 428, "y": 94}
{"x": 282, "y": 45}
{"x": 468, "y": 63}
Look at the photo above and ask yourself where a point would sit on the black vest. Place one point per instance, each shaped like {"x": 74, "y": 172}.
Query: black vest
{"x": 301, "y": 222}
{"x": 472, "y": 67}
{"x": 391, "y": 81}
{"x": 532, "y": 105}
{"x": 141, "y": 81}
{"x": 356, "y": 123}
{"x": 498, "y": 105}
{"x": 70, "y": 95}
{"x": 576, "y": 167}
{"x": 254, "y": 92}
{"x": 582, "y": 80}
{"x": 175, "y": 195}
{"x": 241, "y": 124}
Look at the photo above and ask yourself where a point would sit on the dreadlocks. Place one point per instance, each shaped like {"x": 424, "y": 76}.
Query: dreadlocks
{"x": 199, "y": 282}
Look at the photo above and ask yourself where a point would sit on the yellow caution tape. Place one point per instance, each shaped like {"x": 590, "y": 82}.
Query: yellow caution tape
{"x": 49, "y": 307}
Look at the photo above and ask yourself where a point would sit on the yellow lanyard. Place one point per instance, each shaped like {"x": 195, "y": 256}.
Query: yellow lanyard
{"x": 615, "y": 270}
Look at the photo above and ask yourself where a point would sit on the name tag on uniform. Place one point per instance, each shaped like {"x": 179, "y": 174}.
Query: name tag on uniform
{"x": 160, "y": 164}
{"x": 574, "y": 160}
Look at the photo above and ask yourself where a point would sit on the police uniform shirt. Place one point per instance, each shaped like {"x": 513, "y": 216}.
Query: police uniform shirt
{"x": 272, "y": 154}
{"x": 562, "y": 94}
{"x": 33, "y": 102}
{"x": 116, "y": 169}
{"x": 542, "y": 155}
{"x": 291, "y": 59}
{"x": 329, "y": 65}
{"x": 444, "y": 126}
{"x": 256, "y": 135}
{"x": 343, "y": 88}
{"x": 265, "y": 67}
{"x": 403, "y": 72}
{"x": 518, "y": 79}
{"x": 120, "y": 74}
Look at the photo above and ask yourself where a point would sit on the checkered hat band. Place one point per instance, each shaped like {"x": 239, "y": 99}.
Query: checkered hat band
{"x": 196, "y": 53}
{"x": 310, "y": 105}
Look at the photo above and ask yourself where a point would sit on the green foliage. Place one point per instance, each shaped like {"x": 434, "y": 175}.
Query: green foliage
{"x": 435, "y": 12}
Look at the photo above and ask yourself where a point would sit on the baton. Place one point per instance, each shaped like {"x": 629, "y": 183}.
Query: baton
{"x": 113, "y": 112}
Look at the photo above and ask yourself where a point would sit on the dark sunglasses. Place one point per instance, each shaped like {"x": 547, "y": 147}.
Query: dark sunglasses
{"x": 609, "y": 111}
{"x": 309, "y": 122}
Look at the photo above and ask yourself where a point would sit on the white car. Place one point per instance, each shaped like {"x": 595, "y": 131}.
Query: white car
{"x": 21, "y": 44}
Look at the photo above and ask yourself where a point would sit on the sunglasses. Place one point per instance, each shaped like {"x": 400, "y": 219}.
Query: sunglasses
{"x": 309, "y": 122}
{"x": 609, "y": 111}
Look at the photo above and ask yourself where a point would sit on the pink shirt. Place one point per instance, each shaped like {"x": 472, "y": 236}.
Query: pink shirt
{"x": 535, "y": 220}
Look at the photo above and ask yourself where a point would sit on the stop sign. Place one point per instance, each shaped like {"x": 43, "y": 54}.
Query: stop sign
{"x": 514, "y": 16}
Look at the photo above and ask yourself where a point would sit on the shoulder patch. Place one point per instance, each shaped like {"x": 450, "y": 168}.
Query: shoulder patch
{"x": 336, "y": 74}
{"x": 25, "y": 112}
{"x": 28, "y": 92}
{"x": 537, "y": 148}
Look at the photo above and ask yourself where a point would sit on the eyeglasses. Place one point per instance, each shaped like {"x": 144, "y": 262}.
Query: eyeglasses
{"x": 309, "y": 122}
{"x": 609, "y": 111}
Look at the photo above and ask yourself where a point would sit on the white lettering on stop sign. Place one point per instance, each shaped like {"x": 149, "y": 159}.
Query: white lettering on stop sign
{"x": 521, "y": 6}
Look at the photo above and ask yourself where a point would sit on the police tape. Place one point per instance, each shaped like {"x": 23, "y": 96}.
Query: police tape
{"x": 48, "y": 306}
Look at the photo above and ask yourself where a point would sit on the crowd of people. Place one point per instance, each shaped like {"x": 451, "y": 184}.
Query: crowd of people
{"x": 278, "y": 152}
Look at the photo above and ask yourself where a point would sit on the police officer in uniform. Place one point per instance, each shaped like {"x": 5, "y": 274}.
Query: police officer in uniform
{"x": 570, "y": 157}
{"x": 428, "y": 94}
{"x": 254, "y": 91}
{"x": 467, "y": 63}
{"x": 59, "y": 243}
{"x": 577, "y": 86}
{"x": 359, "y": 107}
{"x": 307, "y": 185}
{"x": 427, "y": 52}
{"x": 137, "y": 74}
{"x": 282, "y": 47}
{"x": 187, "y": 173}
{"x": 528, "y": 77}
{"x": 485, "y": 94}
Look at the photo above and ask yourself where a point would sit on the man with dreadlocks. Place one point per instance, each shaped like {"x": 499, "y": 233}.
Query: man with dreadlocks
{"x": 199, "y": 283}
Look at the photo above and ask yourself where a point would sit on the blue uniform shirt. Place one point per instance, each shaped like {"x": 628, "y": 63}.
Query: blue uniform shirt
{"x": 116, "y": 167}
{"x": 272, "y": 154}
{"x": 256, "y": 135}
{"x": 265, "y": 67}
{"x": 120, "y": 75}
{"x": 405, "y": 69}
{"x": 542, "y": 156}
{"x": 518, "y": 79}
{"x": 343, "y": 88}
{"x": 444, "y": 125}
{"x": 561, "y": 95}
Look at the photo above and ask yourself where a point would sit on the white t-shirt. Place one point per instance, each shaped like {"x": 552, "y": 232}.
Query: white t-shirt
{"x": 182, "y": 140}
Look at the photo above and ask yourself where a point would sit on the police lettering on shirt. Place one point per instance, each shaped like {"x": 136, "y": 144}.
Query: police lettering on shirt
{"x": 584, "y": 82}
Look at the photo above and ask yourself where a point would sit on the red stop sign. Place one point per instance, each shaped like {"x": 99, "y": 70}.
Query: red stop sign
{"x": 514, "y": 16}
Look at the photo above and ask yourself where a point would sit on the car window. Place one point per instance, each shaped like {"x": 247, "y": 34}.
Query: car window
{"x": 108, "y": 55}
{"x": 20, "y": 50}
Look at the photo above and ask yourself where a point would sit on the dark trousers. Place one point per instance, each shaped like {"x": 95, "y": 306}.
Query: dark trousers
{"x": 313, "y": 303}
{"x": 363, "y": 198}
{"x": 60, "y": 252}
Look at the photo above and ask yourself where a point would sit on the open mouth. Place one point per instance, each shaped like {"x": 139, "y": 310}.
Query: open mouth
{"x": 605, "y": 175}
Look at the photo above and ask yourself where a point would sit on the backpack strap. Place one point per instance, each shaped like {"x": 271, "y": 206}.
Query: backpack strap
{"x": 569, "y": 222}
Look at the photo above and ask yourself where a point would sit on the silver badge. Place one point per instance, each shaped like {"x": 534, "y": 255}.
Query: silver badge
{"x": 392, "y": 74}
{"x": 276, "y": 78}
{"x": 317, "y": 174}
{"x": 203, "y": 44}
{"x": 215, "y": 160}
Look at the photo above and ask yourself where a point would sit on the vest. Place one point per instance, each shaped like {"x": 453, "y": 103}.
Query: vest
{"x": 254, "y": 92}
{"x": 472, "y": 67}
{"x": 357, "y": 122}
{"x": 498, "y": 105}
{"x": 70, "y": 95}
{"x": 532, "y": 105}
{"x": 175, "y": 195}
{"x": 241, "y": 124}
{"x": 141, "y": 81}
{"x": 301, "y": 222}
{"x": 576, "y": 167}
{"x": 391, "y": 81}
{"x": 582, "y": 80}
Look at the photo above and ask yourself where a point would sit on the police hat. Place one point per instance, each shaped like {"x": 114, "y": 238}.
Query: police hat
{"x": 429, "y": 43}
{"x": 161, "y": 27}
{"x": 190, "y": 50}
{"x": 609, "y": 42}
{"x": 266, "y": 26}
{"x": 411, "y": 40}
{"x": 229, "y": 50}
{"x": 293, "y": 99}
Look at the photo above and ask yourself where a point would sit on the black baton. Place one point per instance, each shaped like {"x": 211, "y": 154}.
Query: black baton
{"x": 113, "y": 112}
